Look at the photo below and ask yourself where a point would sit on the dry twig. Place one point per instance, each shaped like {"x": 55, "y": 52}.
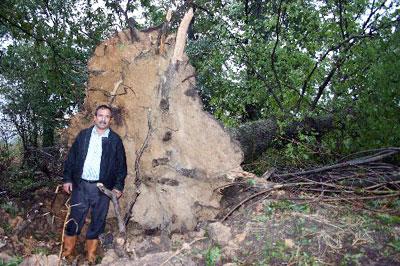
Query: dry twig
{"x": 357, "y": 179}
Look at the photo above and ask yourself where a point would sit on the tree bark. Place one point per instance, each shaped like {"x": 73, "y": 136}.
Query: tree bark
{"x": 257, "y": 136}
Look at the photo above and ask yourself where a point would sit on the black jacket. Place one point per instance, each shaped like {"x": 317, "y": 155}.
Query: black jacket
{"x": 113, "y": 161}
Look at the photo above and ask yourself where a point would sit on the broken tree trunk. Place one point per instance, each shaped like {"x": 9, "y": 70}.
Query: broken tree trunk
{"x": 188, "y": 153}
{"x": 257, "y": 136}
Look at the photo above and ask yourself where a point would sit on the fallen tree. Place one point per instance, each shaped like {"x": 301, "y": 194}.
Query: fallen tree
{"x": 177, "y": 154}
{"x": 257, "y": 136}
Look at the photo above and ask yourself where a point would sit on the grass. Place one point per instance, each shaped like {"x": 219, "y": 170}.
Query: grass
{"x": 212, "y": 256}
{"x": 319, "y": 233}
{"x": 41, "y": 251}
{"x": 285, "y": 205}
{"x": 13, "y": 262}
{"x": 395, "y": 244}
{"x": 281, "y": 252}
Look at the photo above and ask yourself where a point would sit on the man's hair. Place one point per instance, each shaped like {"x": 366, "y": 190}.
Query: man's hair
{"x": 103, "y": 106}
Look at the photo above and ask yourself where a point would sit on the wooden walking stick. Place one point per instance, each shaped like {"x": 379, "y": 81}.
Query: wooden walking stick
{"x": 120, "y": 240}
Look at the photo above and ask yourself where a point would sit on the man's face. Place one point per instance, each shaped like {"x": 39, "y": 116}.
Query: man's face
{"x": 102, "y": 119}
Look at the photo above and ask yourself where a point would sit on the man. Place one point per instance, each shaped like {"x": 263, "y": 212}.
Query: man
{"x": 97, "y": 155}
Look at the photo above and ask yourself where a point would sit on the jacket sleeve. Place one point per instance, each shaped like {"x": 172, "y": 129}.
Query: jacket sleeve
{"x": 121, "y": 169}
{"x": 70, "y": 162}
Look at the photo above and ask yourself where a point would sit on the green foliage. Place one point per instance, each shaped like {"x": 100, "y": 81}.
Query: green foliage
{"x": 19, "y": 182}
{"x": 41, "y": 251}
{"x": 251, "y": 182}
{"x": 10, "y": 208}
{"x": 287, "y": 60}
{"x": 277, "y": 253}
{"x": 395, "y": 244}
{"x": 15, "y": 261}
{"x": 43, "y": 67}
{"x": 285, "y": 205}
{"x": 212, "y": 256}
{"x": 5, "y": 160}
{"x": 351, "y": 259}
{"x": 303, "y": 153}
{"x": 375, "y": 120}
{"x": 7, "y": 228}
{"x": 384, "y": 203}
{"x": 293, "y": 59}
{"x": 388, "y": 219}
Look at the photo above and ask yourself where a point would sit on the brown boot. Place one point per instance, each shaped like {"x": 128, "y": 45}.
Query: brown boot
{"x": 91, "y": 247}
{"x": 69, "y": 247}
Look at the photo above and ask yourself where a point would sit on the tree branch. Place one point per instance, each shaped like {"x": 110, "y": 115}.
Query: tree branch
{"x": 273, "y": 54}
{"x": 138, "y": 178}
{"x": 121, "y": 238}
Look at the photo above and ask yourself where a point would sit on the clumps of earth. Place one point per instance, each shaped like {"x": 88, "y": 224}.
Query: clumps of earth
{"x": 272, "y": 230}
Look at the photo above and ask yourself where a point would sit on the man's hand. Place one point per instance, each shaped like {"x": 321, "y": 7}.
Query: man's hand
{"x": 67, "y": 187}
{"x": 117, "y": 193}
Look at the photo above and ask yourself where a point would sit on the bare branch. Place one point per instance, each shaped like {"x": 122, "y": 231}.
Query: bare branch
{"x": 121, "y": 238}
{"x": 273, "y": 54}
{"x": 181, "y": 37}
{"x": 347, "y": 163}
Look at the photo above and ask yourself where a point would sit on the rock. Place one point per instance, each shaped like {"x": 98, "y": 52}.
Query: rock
{"x": 259, "y": 209}
{"x": 219, "y": 233}
{"x": 3, "y": 241}
{"x": 40, "y": 260}
{"x": 1, "y": 231}
{"x": 177, "y": 240}
{"x": 52, "y": 259}
{"x": 154, "y": 259}
{"x": 109, "y": 257}
{"x": 289, "y": 243}
{"x": 230, "y": 251}
{"x": 4, "y": 258}
{"x": 131, "y": 247}
{"x": 145, "y": 247}
{"x": 240, "y": 237}
{"x": 197, "y": 234}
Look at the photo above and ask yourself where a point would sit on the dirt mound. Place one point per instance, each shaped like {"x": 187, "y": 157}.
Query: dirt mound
{"x": 186, "y": 152}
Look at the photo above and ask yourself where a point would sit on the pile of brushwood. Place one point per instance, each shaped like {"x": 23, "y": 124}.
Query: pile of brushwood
{"x": 365, "y": 175}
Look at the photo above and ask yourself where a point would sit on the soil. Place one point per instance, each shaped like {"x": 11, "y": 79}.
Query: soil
{"x": 280, "y": 228}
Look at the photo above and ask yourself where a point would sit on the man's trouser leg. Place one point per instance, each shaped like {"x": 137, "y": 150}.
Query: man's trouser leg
{"x": 99, "y": 204}
{"x": 79, "y": 208}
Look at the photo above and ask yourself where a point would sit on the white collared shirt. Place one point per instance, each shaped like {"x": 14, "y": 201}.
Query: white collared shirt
{"x": 91, "y": 167}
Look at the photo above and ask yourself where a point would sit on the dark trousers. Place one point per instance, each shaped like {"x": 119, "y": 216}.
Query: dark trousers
{"x": 84, "y": 197}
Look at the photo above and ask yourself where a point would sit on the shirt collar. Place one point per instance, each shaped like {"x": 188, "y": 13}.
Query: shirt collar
{"x": 105, "y": 134}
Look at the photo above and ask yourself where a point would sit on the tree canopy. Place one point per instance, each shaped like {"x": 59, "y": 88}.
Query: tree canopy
{"x": 286, "y": 60}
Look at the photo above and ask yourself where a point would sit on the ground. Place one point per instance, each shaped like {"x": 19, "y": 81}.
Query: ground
{"x": 278, "y": 228}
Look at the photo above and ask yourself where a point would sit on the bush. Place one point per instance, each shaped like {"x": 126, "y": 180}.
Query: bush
{"x": 5, "y": 160}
